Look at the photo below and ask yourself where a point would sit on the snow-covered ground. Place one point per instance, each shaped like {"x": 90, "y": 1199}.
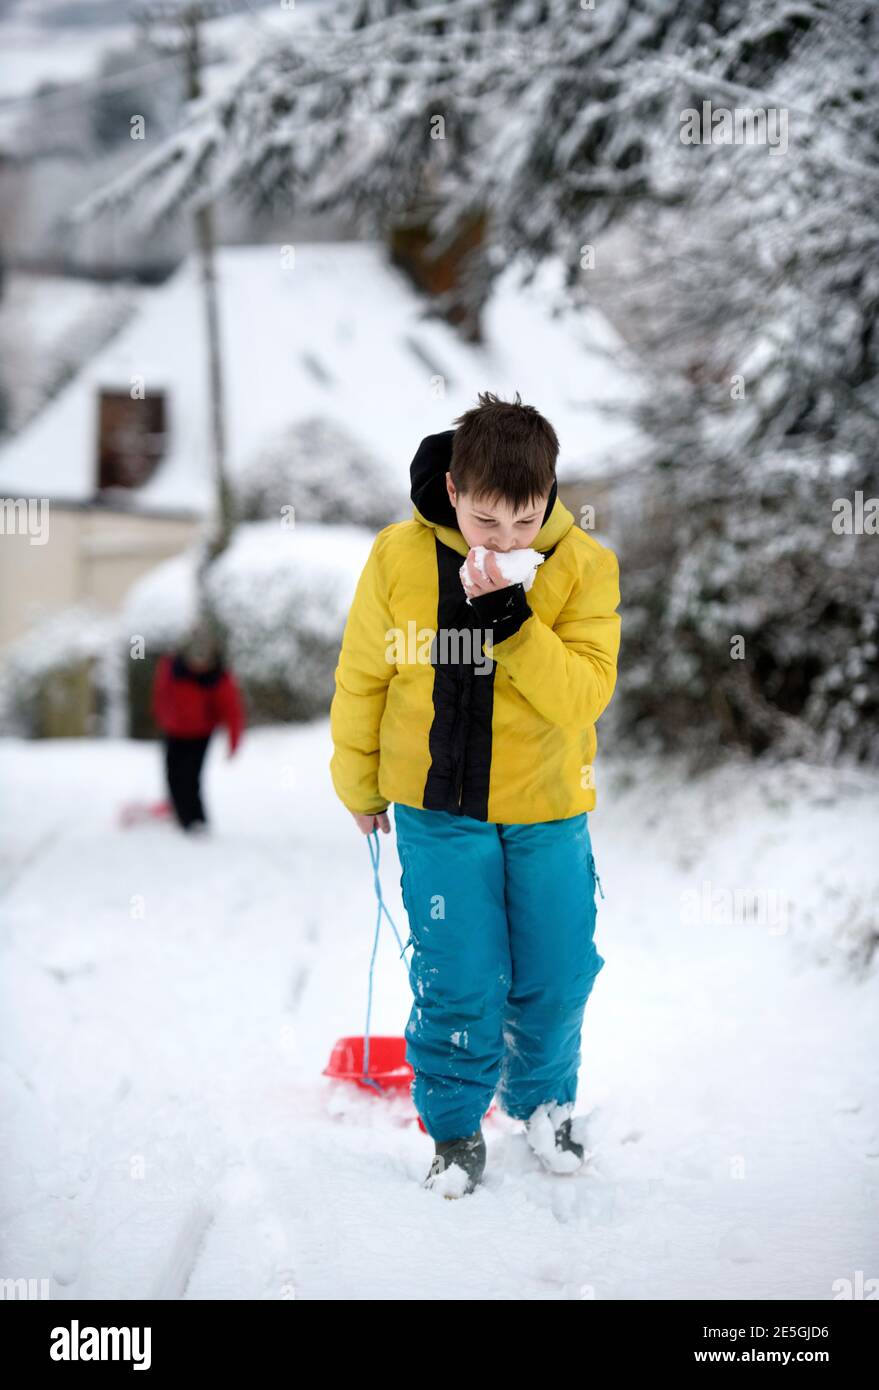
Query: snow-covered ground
{"x": 169, "y": 1006}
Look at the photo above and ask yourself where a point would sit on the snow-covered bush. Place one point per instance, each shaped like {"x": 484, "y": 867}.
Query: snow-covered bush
{"x": 280, "y": 595}
{"x": 60, "y": 678}
{"x": 161, "y": 605}
{"x": 325, "y": 474}
{"x": 155, "y": 616}
{"x": 748, "y": 621}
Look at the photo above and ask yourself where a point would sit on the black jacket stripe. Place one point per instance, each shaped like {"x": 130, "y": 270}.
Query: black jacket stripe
{"x": 463, "y": 700}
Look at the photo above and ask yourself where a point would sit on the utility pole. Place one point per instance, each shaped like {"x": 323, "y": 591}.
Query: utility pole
{"x": 187, "y": 16}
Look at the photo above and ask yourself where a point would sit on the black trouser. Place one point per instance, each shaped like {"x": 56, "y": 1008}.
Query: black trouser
{"x": 183, "y": 762}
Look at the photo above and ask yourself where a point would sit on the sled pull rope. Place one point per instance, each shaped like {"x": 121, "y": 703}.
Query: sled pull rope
{"x": 378, "y": 921}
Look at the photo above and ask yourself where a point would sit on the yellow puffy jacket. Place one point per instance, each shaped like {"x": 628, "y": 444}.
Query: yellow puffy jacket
{"x": 435, "y": 707}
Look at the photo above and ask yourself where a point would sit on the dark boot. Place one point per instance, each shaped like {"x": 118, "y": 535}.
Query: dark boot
{"x": 564, "y": 1141}
{"x": 468, "y": 1157}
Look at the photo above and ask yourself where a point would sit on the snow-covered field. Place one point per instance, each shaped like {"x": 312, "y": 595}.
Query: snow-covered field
{"x": 168, "y": 1007}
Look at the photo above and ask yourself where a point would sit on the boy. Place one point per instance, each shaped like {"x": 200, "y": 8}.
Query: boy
{"x": 489, "y": 766}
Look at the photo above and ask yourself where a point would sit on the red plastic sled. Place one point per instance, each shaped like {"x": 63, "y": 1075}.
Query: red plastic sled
{"x": 134, "y": 812}
{"x": 388, "y": 1067}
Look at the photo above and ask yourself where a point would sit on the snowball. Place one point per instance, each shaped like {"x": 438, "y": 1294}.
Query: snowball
{"x": 517, "y": 566}
{"x": 451, "y": 1182}
{"x": 541, "y": 1131}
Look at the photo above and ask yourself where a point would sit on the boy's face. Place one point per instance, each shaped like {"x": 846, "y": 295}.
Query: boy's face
{"x": 495, "y": 524}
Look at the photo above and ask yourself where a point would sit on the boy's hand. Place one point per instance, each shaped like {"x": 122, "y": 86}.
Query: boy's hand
{"x": 369, "y": 823}
{"x": 475, "y": 583}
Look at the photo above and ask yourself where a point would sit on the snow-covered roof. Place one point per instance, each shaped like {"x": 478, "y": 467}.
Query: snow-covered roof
{"x": 338, "y": 334}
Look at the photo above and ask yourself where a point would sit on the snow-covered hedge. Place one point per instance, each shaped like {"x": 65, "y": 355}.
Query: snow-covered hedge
{"x": 280, "y": 594}
{"x": 60, "y": 677}
{"x": 325, "y": 474}
{"x": 161, "y": 606}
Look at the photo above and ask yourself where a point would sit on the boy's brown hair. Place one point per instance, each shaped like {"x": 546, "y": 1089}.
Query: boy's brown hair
{"x": 503, "y": 449}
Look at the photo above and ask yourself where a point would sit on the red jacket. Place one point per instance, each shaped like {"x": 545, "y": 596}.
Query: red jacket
{"x": 189, "y": 704}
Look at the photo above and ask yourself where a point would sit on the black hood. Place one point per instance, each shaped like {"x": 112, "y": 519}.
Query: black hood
{"x": 428, "y": 470}
{"x": 183, "y": 671}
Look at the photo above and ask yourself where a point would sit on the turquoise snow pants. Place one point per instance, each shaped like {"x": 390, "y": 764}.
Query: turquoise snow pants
{"x": 501, "y": 921}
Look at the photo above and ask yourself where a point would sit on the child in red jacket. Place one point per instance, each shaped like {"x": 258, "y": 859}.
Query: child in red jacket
{"x": 193, "y": 693}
